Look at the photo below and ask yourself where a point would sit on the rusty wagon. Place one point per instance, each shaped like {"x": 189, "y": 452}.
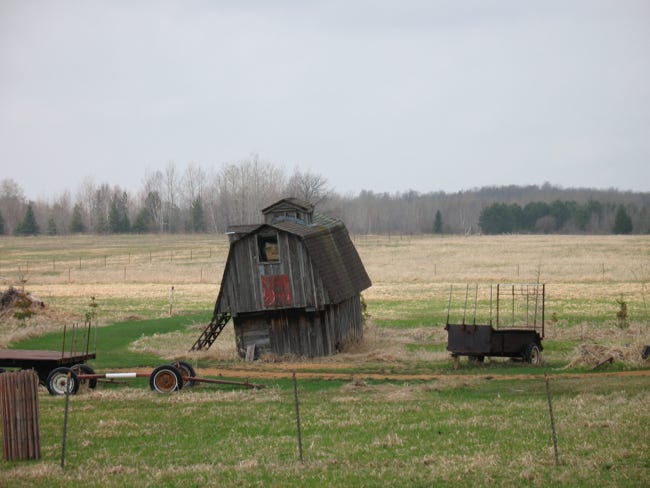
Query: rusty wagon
{"x": 514, "y": 329}
{"x": 65, "y": 370}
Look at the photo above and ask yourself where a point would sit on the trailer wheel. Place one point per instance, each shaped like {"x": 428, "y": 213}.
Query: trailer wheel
{"x": 82, "y": 369}
{"x": 57, "y": 381}
{"x": 533, "y": 354}
{"x": 187, "y": 371}
{"x": 165, "y": 379}
{"x": 475, "y": 359}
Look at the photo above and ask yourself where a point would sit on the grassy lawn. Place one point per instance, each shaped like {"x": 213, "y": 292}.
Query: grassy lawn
{"x": 458, "y": 431}
{"x": 483, "y": 424}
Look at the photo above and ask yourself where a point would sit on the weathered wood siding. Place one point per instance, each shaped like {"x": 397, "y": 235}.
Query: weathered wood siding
{"x": 294, "y": 331}
{"x": 242, "y": 289}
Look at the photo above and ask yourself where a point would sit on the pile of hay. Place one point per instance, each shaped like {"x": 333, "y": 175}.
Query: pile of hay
{"x": 597, "y": 355}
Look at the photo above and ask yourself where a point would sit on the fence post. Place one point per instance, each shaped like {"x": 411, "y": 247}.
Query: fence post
{"x": 295, "y": 397}
{"x": 65, "y": 419}
{"x": 550, "y": 410}
{"x": 20, "y": 421}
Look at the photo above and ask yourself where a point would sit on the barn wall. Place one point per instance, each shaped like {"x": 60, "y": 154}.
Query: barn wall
{"x": 295, "y": 331}
{"x": 242, "y": 290}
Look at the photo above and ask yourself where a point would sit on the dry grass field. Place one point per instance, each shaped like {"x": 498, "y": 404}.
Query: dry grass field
{"x": 390, "y": 411}
{"x": 131, "y": 277}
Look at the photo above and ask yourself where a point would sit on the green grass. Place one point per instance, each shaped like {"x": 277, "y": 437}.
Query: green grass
{"x": 481, "y": 433}
{"x": 475, "y": 426}
{"x": 113, "y": 341}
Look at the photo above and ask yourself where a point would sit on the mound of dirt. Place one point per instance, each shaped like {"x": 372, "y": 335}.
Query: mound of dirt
{"x": 596, "y": 355}
{"x": 13, "y": 299}
{"x": 22, "y": 315}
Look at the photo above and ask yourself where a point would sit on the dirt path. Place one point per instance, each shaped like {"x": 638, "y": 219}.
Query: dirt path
{"x": 287, "y": 372}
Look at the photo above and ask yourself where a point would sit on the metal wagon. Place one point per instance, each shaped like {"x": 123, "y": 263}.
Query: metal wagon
{"x": 74, "y": 352}
{"x": 66, "y": 370}
{"x": 515, "y": 327}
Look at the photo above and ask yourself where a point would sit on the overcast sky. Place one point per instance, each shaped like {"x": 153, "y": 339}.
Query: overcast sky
{"x": 378, "y": 95}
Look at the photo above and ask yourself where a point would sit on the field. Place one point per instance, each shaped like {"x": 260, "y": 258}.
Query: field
{"x": 391, "y": 411}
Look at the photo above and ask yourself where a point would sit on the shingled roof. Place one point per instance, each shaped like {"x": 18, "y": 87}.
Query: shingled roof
{"x": 330, "y": 248}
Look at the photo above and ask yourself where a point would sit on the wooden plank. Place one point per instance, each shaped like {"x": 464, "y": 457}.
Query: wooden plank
{"x": 40, "y": 355}
{"x": 250, "y": 353}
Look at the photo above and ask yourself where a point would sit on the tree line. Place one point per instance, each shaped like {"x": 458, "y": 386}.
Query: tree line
{"x": 558, "y": 216}
{"x": 200, "y": 200}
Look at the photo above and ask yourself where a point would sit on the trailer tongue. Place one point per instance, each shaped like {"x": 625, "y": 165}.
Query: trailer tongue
{"x": 166, "y": 378}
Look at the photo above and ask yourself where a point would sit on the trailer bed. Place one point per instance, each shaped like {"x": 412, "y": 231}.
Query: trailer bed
{"x": 479, "y": 341}
{"x": 43, "y": 362}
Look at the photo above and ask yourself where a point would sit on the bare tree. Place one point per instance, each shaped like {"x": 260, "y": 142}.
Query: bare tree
{"x": 171, "y": 197}
{"x": 60, "y": 212}
{"x": 242, "y": 189}
{"x": 151, "y": 198}
{"x": 85, "y": 197}
{"x": 12, "y": 204}
{"x": 193, "y": 183}
{"x": 308, "y": 186}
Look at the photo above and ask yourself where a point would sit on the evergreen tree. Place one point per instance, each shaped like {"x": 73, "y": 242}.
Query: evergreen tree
{"x": 622, "y": 222}
{"x": 77, "y": 223}
{"x": 532, "y": 213}
{"x": 500, "y": 218}
{"x": 142, "y": 222}
{"x": 51, "y": 227}
{"x": 28, "y": 226}
{"x": 197, "y": 219}
{"x": 118, "y": 215}
{"x": 437, "y": 223}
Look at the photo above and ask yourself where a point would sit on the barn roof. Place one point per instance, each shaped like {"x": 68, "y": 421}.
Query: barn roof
{"x": 330, "y": 248}
{"x": 290, "y": 202}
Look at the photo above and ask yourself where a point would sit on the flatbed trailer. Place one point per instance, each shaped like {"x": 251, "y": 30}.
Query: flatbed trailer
{"x": 43, "y": 362}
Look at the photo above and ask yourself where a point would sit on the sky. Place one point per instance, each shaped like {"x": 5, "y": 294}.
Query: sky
{"x": 380, "y": 95}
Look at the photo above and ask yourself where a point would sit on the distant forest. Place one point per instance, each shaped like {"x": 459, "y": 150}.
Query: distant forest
{"x": 196, "y": 200}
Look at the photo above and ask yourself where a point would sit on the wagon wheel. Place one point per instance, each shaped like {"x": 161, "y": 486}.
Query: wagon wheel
{"x": 57, "y": 381}
{"x": 165, "y": 379}
{"x": 187, "y": 371}
{"x": 532, "y": 354}
{"x": 82, "y": 369}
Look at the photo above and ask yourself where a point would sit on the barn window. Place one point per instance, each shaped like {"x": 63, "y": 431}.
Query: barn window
{"x": 268, "y": 248}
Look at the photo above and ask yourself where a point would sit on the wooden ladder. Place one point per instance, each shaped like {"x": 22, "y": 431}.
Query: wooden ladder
{"x": 212, "y": 331}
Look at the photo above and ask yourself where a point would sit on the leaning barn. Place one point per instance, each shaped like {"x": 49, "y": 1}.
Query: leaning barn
{"x": 291, "y": 285}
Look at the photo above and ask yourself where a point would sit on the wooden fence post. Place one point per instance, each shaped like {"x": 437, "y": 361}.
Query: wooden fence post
{"x": 295, "y": 398}
{"x": 20, "y": 420}
{"x": 552, "y": 418}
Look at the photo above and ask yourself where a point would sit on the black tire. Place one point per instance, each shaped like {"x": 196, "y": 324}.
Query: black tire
{"x": 2, "y": 370}
{"x": 533, "y": 354}
{"x": 82, "y": 369}
{"x": 187, "y": 371}
{"x": 475, "y": 359}
{"x": 57, "y": 381}
{"x": 166, "y": 379}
